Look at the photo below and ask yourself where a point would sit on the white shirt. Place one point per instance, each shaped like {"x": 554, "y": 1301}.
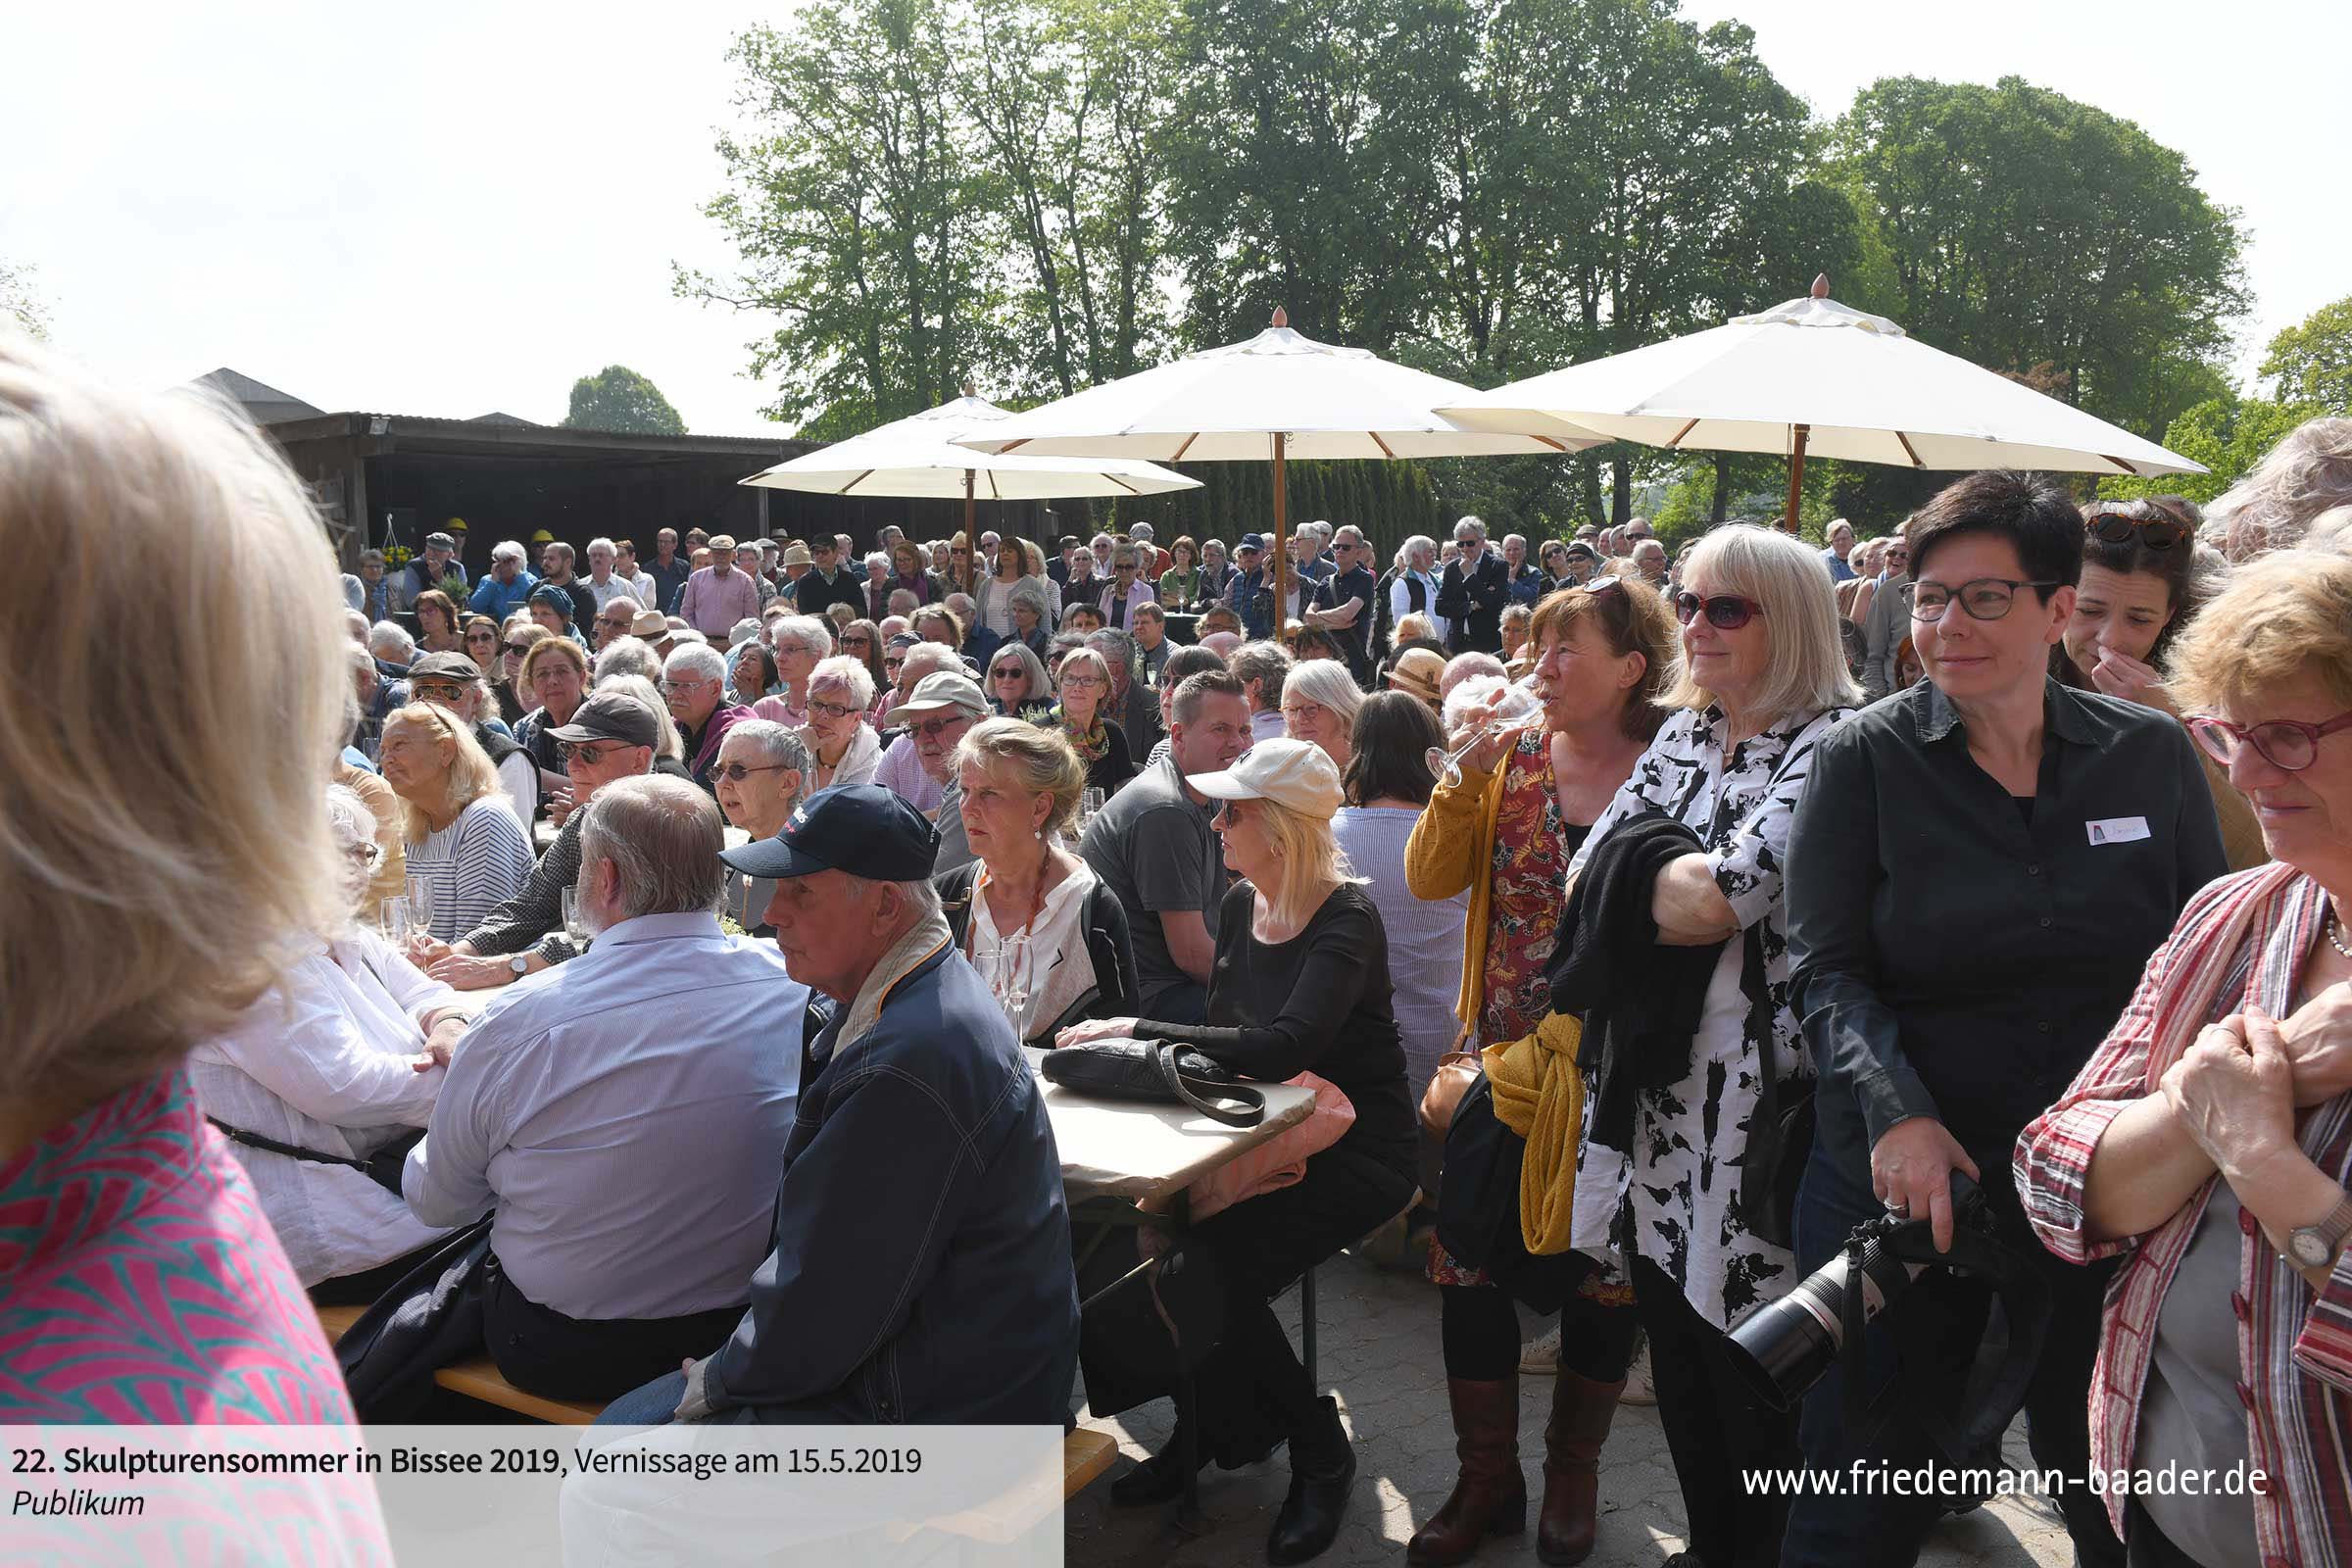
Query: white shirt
{"x": 1400, "y": 601}
{"x": 1047, "y": 964}
{"x": 625, "y": 1115}
{"x": 322, "y": 1062}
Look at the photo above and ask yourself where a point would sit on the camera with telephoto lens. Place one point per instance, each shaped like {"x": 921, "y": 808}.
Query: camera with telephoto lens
{"x": 1787, "y": 1345}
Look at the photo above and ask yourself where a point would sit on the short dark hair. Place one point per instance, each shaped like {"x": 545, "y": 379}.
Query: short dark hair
{"x": 2032, "y": 511}
{"x": 1197, "y": 689}
{"x": 1185, "y": 662}
{"x": 1393, "y": 732}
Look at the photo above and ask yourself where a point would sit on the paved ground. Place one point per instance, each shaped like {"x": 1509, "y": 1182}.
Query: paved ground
{"x": 1379, "y": 1352}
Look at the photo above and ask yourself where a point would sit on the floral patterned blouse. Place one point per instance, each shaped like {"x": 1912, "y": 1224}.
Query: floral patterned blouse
{"x": 1533, "y": 845}
{"x": 1678, "y": 1187}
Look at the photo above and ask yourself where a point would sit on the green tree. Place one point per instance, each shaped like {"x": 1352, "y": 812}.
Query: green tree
{"x": 20, "y": 302}
{"x": 618, "y": 398}
{"x": 2311, "y": 362}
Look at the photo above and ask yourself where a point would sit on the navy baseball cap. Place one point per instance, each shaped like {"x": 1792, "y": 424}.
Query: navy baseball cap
{"x": 863, "y": 829}
{"x": 1251, "y": 541}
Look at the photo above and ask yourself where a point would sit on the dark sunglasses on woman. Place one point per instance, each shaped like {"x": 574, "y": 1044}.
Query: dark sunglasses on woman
{"x": 2114, "y": 521}
{"x": 1724, "y": 611}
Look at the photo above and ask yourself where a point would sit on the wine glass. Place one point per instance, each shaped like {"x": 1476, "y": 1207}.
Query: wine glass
{"x": 1520, "y": 704}
{"x": 421, "y": 902}
{"x": 1012, "y": 975}
{"x": 397, "y": 921}
{"x": 575, "y": 925}
{"x": 1090, "y": 800}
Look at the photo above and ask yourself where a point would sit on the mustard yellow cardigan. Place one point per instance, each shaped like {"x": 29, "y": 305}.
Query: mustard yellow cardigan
{"x": 1452, "y": 847}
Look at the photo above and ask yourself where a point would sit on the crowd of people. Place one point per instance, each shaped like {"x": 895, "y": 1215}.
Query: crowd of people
{"x": 1987, "y": 874}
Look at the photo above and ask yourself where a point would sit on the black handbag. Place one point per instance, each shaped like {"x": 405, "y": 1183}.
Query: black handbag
{"x": 1478, "y": 1207}
{"x": 1779, "y": 1136}
{"x": 1156, "y": 1072}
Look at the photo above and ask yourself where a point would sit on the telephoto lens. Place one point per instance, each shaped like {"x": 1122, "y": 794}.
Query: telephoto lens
{"x": 1787, "y": 1345}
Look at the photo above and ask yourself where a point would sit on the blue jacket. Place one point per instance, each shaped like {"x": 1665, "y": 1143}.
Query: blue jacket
{"x": 921, "y": 1270}
{"x": 497, "y": 599}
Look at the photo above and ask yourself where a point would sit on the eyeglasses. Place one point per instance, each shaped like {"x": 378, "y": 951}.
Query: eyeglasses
{"x": 1084, "y": 681}
{"x": 587, "y": 751}
{"x": 1724, "y": 611}
{"x": 676, "y": 688}
{"x": 363, "y": 854}
{"x": 737, "y": 772}
{"x": 617, "y": 623}
{"x": 857, "y": 642}
{"x": 820, "y": 708}
{"x": 2287, "y": 744}
{"x": 1228, "y": 814}
{"x": 2114, "y": 521}
{"x": 1007, "y": 672}
{"x": 1303, "y": 711}
{"x": 892, "y": 665}
{"x": 435, "y": 691}
{"x": 481, "y": 636}
{"x": 932, "y": 729}
{"x": 1984, "y": 598}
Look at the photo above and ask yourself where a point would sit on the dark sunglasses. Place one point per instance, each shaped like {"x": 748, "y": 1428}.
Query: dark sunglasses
{"x": 2113, "y": 522}
{"x": 1724, "y": 611}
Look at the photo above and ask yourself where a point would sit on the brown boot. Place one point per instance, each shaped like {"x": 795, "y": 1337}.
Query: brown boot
{"x": 1581, "y": 1410}
{"x": 1491, "y": 1497}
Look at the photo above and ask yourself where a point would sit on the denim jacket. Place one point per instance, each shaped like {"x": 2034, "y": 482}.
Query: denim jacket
{"x": 921, "y": 1265}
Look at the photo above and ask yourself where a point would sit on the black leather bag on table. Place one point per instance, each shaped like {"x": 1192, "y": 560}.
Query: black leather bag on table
{"x": 1155, "y": 1072}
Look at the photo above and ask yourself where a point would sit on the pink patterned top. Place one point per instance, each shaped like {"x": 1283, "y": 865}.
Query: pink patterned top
{"x": 140, "y": 1283}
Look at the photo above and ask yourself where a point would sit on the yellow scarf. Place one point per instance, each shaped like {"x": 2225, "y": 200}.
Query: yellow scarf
{"x": 1540, "y": 1094}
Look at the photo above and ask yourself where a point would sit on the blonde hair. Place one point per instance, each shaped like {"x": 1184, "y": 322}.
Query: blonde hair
{"x": 2285, "y": 615}
{"x": 137, "y": 919}
{"x": 549, "y": 645}
{"x": 1306, "y": 856}
{"x": 469, "y": 777}
{"x": 1030, "y": 756}
{"x": 1807, "y": 672}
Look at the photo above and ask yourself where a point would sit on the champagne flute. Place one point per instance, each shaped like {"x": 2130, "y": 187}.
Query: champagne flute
{"x": 420, "y": 903}
{"x": 1012, "y": 975}
{"x": 1521, "y": 704}
{"x": 575, "y": 925}
{"x": 397, "y": 921}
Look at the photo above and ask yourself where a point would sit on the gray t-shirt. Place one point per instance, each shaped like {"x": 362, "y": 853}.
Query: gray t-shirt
{"x": 1154, "y": 848}
{"x": 955, "y": 845}
{"x": 2190, "y": 1415}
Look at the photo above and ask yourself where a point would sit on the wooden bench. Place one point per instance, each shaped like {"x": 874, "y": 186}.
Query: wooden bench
{"x": 478, "y": 1379}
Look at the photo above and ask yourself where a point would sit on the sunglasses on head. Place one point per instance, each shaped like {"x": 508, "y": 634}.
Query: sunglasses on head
{"x": 1724, "y": 611}
{"x": 2114, "y": 521}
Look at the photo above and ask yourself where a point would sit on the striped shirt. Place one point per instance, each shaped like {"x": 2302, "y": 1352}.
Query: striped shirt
{"x": 472, "y": 866}
{"x": 2241, "y": 941}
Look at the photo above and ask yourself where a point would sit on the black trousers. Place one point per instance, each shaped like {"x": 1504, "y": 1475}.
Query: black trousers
{"x": 1253, "y": 1391}
{"x": 1715, "y": 1429}
{"x": 542, "y": 1351}
{"x": 1480, "y": 1325}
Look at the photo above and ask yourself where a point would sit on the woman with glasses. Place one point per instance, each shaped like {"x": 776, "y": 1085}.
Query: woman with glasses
{"x": 846, "y": 748}
{"x": 1979, "y": 871}
{"x": 799, "y": 642}
{"x": 340, "y": 1058}
{"x": 1299, "y": 984}
{"x": 1084, "y": 685}
{"x": 2209, "y": 1141}
{"x": 459, "y": 829}
{"x": 1763, "y": 680}
{"x": 1017, "y": 684}
{"x": 2139, "y": 591}
{"x": 1319, "y": 700}
{"x": 515, "y": 640}
{"x": 862, "y": 640}
{"x": 1503, "y": 834}
{"x": 1180, "y": 584}
{"x": 438, "y": 627}
{"x": 1046, "y": 934}
{"x": 762, "y": 773}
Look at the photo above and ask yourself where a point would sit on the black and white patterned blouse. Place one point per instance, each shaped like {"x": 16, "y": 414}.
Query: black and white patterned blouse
{"x": 1677, "y": 1188}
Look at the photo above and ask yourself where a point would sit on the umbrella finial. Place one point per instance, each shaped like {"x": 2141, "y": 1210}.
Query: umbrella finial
{"x": 1281, "y": 318}
{"x": 1821, "y": 285}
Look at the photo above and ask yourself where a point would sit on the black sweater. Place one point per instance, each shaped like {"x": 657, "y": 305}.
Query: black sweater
{"x": 1319, "y": 1002}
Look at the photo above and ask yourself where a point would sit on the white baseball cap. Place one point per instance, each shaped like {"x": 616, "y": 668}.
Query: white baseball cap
{"x": 1291, "y": 773}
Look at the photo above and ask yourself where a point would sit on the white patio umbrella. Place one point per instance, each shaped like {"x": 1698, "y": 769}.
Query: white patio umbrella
{"x": 917, "y": 459}
{"x": 1276, "y": 397}
{"x": 1814, "y": 376}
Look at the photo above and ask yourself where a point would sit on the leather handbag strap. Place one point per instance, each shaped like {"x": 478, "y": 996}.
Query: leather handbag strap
{"x": 1242, "y": 1105}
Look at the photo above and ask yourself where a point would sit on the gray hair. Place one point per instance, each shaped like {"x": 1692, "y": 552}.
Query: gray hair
{"x": 2308, "y": 472}
{"x": 699, "y": 660}
{"x": 390, "y": 642}
{"x": 354, "y": 623}
{"x": 878, "y": 557}
{"x": 669, "y": 742}
{"x": 1029, "y": 594}
{"x": 945, "y": 658}
{"x": 1266, "y": 662}
{"x": 663, "y": 836}
{"x": 1115, "y": 646}
{"x": 1032, "y": 667}
{"x": 1510, "y": 539}
{"x": 627, "y": 655}
{"x": 1327, "y": 681}
{"x": 508, "y": 550}
{"x": 1411, "y": 548}
{"x": 600, "y": 542}
{"x": 807, "y": 632}
{"x": 778, "y": 745}
{"x": 372, "y": 557}
{"x": 1140, "y": 530}
{"x": 1473, "y": 524}
{"x": 349, "y": 816}
{"x": 848, "y": 672}
{"x": 960, "y": 606}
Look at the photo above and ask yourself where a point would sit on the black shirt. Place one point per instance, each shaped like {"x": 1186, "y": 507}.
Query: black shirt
{"x": 1356, "y": 582}
{"x": 1472, "y": 604}
{"x": 1319, "y": 1002}
{"x": 1950, "y": 959}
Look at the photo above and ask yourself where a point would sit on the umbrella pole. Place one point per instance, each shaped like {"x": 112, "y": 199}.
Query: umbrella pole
{"x": 1282, "y": 549}
{"x": 1797, "y": 476}
{"x": 971, "y": 538}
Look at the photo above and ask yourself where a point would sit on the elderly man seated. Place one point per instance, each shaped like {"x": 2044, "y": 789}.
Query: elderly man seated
{"x": 624, "y": 1115}
{"x": 612, "y": 735}
{"x": 944, "y": 706}
{"x": 693, "y": 682}
{"x": 921, "y": 1263}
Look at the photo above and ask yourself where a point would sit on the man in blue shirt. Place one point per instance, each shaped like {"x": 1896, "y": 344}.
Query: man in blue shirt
{"x": 508, "y": 587}
{"x": 1842, "y": 545}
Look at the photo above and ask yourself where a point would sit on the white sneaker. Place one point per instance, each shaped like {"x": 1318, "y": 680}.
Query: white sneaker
{"x": 1540, "y": 1355}
{"x": 1637, "y": 1387}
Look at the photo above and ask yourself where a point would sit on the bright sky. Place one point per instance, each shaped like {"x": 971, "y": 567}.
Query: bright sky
{"x": 446, "y": 209}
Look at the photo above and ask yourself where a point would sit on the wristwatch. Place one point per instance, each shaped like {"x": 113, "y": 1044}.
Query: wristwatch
{"x": 2313, "y": 1245}
{"x": 521, "y": 964}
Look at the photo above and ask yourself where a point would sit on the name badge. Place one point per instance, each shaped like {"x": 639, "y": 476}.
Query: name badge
{"x": 2117, "y": 829}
